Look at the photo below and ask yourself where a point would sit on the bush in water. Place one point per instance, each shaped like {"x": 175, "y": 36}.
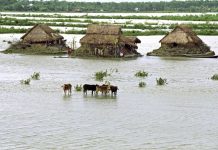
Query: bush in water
{"x": 161, "y": 81}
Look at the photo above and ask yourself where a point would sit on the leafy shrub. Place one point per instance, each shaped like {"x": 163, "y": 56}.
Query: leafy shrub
{"x": 27, "y": 81}
{"x": 78, "y": 88}
{"x": 214, "y": 77}
{"x": 35, "y": 76}
{"x": 161, "y": 81}
{"x": 101, "y": 74}
{"x": 141, "y": 74}
{"x": 142, "y": 84}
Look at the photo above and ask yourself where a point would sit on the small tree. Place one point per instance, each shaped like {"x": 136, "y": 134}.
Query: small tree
{"x": 141, "y": 74}
{"x": 214, "y": 77}
{"x": 35, "y": 76}
{"x": 142, "y": 84}
{"x": 161, "y": 81}
{"x": 27, "y": 81}
{"x": 78, "y": 88}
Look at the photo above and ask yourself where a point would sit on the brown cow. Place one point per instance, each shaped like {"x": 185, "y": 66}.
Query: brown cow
{"x": 103, "y": 89}
{"x": 67, "y": 88}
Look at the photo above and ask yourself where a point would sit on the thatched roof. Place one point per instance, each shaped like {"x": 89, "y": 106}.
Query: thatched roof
{"x": 104, "y": 29}
{"x": 130, "y": 39}
{"x": 182, "y": 34}
{"x": 100, "y": 39}
{"x": 107, "y": 34}
{"x": 102, "y": 34}
{"x": 41, "y": 32}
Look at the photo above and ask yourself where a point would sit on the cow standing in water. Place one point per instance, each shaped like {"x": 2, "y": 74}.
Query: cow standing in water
{"x": 89, "y": 87}
{"x": 67, "y": 88}
{"x": 113, "y": 90}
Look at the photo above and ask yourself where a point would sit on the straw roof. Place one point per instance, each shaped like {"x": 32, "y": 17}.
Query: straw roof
{"x": 100, "y": 39}
{"x": 104, "y": 29}
{"x": 102, "y": 34}
{"x": 40, "y": 33}
{"x": 107, "y": 34}
{"x": 182, "y": 34}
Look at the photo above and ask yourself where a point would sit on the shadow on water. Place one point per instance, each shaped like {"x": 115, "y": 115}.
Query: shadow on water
{"x": 67, "y": 97}
{"x": 100, "y": 97}
{"x": 108, "y": 58}
{"x": 178, "y": 58}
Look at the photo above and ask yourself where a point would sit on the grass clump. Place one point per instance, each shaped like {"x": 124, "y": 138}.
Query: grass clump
{"x": 27, "y": 81}
{"x": 78, "y": 88}
{"x": 101, "y": 74}
{"x": 141, "y": 74}
{"x": 142, "y": 84}
{"x": 35, "y": 76}
{"x": 161, "y": 81}
{"x": 214, "y": 77}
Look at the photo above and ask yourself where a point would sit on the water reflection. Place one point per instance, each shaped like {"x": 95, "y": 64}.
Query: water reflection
{"x": 67, "y": 97}
{"x": 100, "y": 97}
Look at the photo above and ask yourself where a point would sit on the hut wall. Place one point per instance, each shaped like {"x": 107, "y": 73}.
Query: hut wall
{"x": 37, "y": 35}
{"x": 102, "y": 49}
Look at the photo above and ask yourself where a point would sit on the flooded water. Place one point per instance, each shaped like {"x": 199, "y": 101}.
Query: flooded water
{"x": 179, "y": 115}
{"x": 106, "y": 14}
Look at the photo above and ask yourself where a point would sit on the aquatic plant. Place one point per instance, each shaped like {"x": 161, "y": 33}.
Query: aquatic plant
{"x": 35, "y": 76}
{"x": 78, "y": 88}
{"x": 142, "y": 84}
{"x": 214, "y": 77}
{"x": 27, "y": 81}
{"x": 101, "y": 74}
{"x": 141, "y": 74}
{"x": 161, "y": 81}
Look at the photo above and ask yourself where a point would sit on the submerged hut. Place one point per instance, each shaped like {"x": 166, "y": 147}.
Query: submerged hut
{"x": 42, "y": 34}
{"x": 182, "y": 41}
{"x": 107, "y": 41}
{"x": 40, "y": 39}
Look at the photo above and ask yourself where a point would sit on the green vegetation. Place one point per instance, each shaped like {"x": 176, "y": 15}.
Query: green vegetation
{"x": 142, "y": 84}
{"x": 12, "y": 30}
{"x": 27, "y": 81}
{"x": 100, "y": 75}
{"x": 214, "y": 77}
{"x": 161, "y": 81}
{"x": 64, "y": 6}
{"x": 141, "y": 74}
{"x": 34, "y": 49}
{"x": 78, "y": 88}
{"x": 139, "y": 29}
{"x": 35, "y": 76}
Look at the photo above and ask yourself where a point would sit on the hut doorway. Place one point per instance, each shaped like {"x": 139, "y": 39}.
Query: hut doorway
{"x": 174, "y": 44}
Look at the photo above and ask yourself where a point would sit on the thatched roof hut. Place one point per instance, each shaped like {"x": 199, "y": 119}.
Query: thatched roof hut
{"x": 41, "y": 33}
{"x": 181, "y": 41}
{"x": 107, "y": 40}
{"x": 183, "y": 35}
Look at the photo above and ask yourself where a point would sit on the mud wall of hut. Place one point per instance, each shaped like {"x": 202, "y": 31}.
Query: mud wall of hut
{"x": 101, "y": 49}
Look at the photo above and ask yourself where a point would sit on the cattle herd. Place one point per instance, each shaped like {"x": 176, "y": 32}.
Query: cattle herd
{"x": 94, "y": 88}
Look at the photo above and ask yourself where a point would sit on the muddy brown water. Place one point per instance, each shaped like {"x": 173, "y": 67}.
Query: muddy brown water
{"x": 180, "y": 115}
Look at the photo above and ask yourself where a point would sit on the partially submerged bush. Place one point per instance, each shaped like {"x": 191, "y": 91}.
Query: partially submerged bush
{"x": 161, "y": 81}
{"x": 141, "y": 74}
{"x": 35, "y": 76}
{"x": 101, "y": 74}
{"x": 214, "y": 77}
{"x": 27, "y": 81}
{"x": 142, "y": 84}
{"x": 78, "y": 88}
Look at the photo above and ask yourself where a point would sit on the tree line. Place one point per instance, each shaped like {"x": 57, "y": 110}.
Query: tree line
{"x": 64, "y": 6}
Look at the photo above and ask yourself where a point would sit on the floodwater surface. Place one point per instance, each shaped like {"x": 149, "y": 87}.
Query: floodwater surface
{"x": 179, "y": 115}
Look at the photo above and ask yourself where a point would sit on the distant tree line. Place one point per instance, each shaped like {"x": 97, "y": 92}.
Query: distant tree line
{"x": 63, "y": 6}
